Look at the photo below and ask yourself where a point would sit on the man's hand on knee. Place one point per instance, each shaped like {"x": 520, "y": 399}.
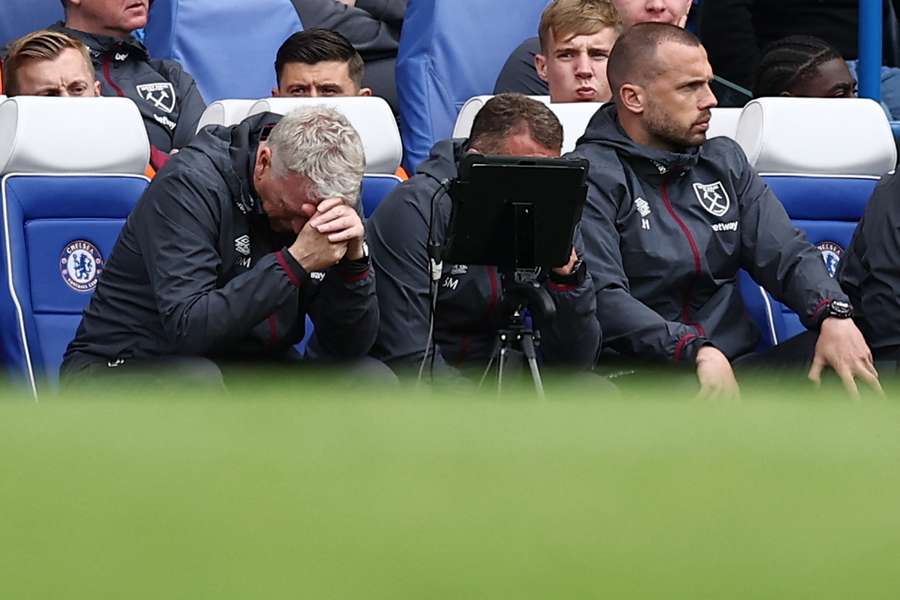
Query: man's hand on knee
{"x": 842, "y": 347}
{"x": 716, "y": 376}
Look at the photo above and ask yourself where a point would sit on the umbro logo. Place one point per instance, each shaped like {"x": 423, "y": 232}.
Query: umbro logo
{"x": 242, "y": 245}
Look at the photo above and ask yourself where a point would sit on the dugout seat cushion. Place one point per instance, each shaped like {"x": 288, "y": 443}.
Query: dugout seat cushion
{"x": 822, "y": 158}
{"x": 67, "y": 187}
{"x": 574, "y": 117}
{"x": 370, "y": 116}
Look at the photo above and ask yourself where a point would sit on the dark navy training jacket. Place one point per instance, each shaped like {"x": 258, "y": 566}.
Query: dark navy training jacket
{"x": 198, "y": 271}
{"x": 666, "y": 234}
{"x": 467, "y": 315}
{"x": 166, "y": 96}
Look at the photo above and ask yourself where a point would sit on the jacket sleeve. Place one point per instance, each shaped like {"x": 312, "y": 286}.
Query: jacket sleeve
{"x": 345, "y": 312}
{"x": 389, "y": 11}
{"x": 178, "y": 224}
{"x": 192, "y": 106}
{"x": 573, "y": 338}
{"x": 398, "y": 241}
{"x": 629, "y": 326}
{"x": 777, "y": 254}
{"x": 726, "y": 28}
{"x": 870, "y": 269}
{"x": 370, "y": 35}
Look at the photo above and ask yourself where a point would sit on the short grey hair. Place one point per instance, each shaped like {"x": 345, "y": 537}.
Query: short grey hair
{"x": 319, "y": 143}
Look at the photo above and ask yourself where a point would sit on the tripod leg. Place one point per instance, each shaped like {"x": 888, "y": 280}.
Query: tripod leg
{"x": 494, "y": 354}
{"x": 500, "y": 365}
{"x": 531, "y": 357}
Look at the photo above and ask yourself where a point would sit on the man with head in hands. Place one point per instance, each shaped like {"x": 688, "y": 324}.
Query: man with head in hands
{"x": 249, "y": 229}
{"x": 672, "y": 217}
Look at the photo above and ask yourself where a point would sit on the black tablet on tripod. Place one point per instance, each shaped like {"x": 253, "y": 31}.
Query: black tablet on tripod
{"x": 518, "y": 214}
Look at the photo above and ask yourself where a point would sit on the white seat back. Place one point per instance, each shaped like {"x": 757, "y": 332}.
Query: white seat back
{"x": 723, "y": 123}
{"x": 225, "y": 112}
{"x": 832, "y": 137}
{"x": 72, "y": 135}
{"x": 574, "y": 117}
{"x": 370, "y": 116}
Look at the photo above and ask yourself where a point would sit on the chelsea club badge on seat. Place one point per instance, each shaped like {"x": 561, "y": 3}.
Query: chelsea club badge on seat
{"x": 80, "y": 265}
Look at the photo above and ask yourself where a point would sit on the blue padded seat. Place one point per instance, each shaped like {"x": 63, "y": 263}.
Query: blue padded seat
{"x": 451, "y": 50}
{"x": 375, "y": 188}
{"x": 18, "y": 17}
{"x": 67, "y": 187}
{"x": 228, "y": 46}
{"x": 822, "y": 158}
{"x": 42, "y": 216}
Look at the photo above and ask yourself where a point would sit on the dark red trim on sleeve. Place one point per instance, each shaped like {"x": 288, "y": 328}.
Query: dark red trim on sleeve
{"x": 282, "y": 261}
{"x": 354, "y": 277}
{"x": 682, "y": 342}
{"x": 823, "y": 303}
{"x": 561, "y": 287}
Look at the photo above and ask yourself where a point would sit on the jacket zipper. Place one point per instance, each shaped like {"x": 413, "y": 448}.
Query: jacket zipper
{"x": 695, "y": 250}
{"x": 108, "y": 77}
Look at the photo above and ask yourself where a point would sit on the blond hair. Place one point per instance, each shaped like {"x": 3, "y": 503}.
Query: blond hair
{"x": 40, "y": 45}
{"x": 569, "y": 18}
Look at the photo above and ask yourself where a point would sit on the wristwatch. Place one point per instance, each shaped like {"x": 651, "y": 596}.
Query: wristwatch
{"x": 576, "y": 277}
{"x": 837, "y": 309}
{"x": 364, "y": 259}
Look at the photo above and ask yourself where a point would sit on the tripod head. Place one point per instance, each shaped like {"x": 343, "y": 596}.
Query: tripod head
{"x": 522, "y": 290}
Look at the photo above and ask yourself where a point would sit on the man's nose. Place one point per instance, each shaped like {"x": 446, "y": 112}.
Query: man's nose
{"x": 709, "y": 99}
{"x": 583, "y": 66}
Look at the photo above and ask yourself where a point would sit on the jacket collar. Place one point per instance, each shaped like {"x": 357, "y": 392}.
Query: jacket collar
{"x": 604, "y": 129}
{"x": 103, "y": 44}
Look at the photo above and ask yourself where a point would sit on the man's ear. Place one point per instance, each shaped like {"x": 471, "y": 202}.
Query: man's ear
{"x": 365, "y": 92}
{"x": 632, "y": 98}
{"x": 263, "y": 161}
{"x": 275, "y": 92}
{"x": 97, "y": 89}
{"x": 540, "y": 65}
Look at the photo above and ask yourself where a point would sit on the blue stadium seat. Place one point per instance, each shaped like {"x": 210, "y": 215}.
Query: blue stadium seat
{"x": 228, "y": 46}
{"x": 451, "y": 50}
{"x": 822, "y": 158}
{"x": 18, "y": 17}
{"x": 375, "y": 188}
{"x": 67, "y": 187}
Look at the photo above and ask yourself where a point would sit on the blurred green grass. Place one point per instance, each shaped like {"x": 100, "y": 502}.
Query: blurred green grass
{"x": 289, "y": 489}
